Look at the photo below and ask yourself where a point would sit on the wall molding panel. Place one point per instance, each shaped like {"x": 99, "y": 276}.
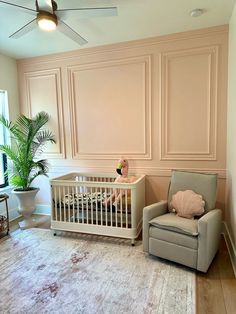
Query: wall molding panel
{"x": 177, "y": 138}
{"x": 138, "y": 71}
{"x": 159, "y": 102}
{"x": 150, "y": 171}
{"x": 44, "y": 88}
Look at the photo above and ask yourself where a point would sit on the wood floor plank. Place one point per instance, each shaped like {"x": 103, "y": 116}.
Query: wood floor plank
{"x": 216, "y": 290}
{"x": 210, "y": 299}
{"x": 228, "y": 280}
{"x": 43, "y": 221}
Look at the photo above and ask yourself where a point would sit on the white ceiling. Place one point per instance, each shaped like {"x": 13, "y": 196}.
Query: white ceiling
{"x": 136, "y": 19}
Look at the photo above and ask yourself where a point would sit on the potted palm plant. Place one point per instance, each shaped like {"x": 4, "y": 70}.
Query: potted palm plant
{"x": 28, "y": 139}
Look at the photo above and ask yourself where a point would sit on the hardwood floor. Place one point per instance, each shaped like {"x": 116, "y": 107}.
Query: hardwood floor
{"x": 216, "y": 290}
{"x": 43, "y": 221}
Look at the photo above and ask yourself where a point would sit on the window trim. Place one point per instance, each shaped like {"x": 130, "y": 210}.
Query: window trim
{"x": 4, "y": 158}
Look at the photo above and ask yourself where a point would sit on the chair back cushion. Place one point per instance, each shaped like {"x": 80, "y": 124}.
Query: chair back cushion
{"x": 201, "y": 183}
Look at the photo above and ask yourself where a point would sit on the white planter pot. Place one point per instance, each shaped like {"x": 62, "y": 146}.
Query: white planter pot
{"x": 26, "y": 206}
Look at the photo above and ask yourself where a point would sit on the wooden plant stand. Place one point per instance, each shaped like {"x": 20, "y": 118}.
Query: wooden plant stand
{"x": 4, "y": 220}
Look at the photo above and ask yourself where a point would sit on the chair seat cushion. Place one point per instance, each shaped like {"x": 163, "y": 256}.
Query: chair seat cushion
{"x": 177, "y": 238}
{"x": 175, "y": 223}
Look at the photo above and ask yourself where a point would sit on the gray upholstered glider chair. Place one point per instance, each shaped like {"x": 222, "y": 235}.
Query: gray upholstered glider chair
{"x": 191, "y": 242}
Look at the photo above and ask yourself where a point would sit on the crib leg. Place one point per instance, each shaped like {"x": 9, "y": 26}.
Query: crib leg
{"x": 132, "y": 242}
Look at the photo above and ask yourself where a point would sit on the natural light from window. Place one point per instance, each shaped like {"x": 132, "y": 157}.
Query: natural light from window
{"x": 3, "y": 111}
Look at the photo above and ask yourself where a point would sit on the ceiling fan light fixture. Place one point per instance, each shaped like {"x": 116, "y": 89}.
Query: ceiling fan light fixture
{"x": 47, "y": 21}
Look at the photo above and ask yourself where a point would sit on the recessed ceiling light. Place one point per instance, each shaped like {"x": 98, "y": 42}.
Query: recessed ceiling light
{"x": 196, "y": 12}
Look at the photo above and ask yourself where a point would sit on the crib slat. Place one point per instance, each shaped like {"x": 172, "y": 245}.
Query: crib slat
{"x": 68, "y": 211}
{"x": 106, "y": 207}
{"x": 96, "y": 205}
{"x": 82, "y": 200}
{"x": 77, "y": 206}
{"x": 60, "y": 201}
{"x": 64, "y": 203}
{"x": 121, "y": 210}
{"x": 111, "y": 206}
{"x": 116, "y": 202}
{"x": 55, "y": 201}
{"x": 73, "y": 205}
{"x": 87, "y": 219}
{"x": 91, "y": 205}
{"x": 126, "y": 207}
{"x": 101, "y": 208}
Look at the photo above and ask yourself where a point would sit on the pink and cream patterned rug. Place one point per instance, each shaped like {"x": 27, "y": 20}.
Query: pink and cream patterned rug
{"x": 75, "y": 273}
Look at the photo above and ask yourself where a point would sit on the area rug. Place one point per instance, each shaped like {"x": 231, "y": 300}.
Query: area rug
{"x": 76, "y": 273}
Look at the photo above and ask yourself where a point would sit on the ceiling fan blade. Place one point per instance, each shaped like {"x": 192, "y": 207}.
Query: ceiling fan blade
{"x": 90, "y": 12}
{"x": 27, "y": 10}
{"x": 24, "y": 30}
{"x": 69, "y": 32}
{"x": 44, "y": 5}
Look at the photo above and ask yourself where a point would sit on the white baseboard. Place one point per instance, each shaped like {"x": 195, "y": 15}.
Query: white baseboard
{"x": 40, "y": 210}
{"x": 13, "y": 213}
{"x": 230, "y": 245}
{"x": 43, "y": 209}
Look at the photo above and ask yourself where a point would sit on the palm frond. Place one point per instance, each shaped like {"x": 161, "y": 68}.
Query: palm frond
{"x": 5, "y": 122}
{"x": 42, "y": 165}
{"x": 15, "y": 132}
{"x": 18, "y": 181}
{"x": 22, "y": 123}
{"x": 45, "y": 136}
{"x": 38, "y": 122}
{"x": 11, "y": 154}
{"x": 41, "y": 139}
{"x": 27, "y": 139}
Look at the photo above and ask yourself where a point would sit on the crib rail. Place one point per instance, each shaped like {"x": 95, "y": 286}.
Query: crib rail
{"x": 88, "y": 204}
{"x": 95, "y": 201}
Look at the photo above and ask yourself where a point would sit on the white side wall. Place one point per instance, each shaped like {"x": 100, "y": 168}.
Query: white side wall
{"x": 231, "y": 142}
{"x": 8, "y": 82}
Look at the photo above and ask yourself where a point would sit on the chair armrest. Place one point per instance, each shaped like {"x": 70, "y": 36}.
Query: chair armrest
{"x": 209, "y": 228}
{"x": 150, "y": 212}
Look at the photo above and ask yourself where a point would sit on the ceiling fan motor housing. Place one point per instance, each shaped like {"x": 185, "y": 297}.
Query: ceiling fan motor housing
{"x": 54, "y": 6}
{"x": 46, "y": 15}
{"x": 47, "y": 21}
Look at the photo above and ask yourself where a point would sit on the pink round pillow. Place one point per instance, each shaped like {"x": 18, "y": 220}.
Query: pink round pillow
{"x": 187, "y": 204}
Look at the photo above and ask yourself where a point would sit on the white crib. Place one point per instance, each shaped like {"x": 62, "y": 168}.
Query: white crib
{"x": 78, "y": 205}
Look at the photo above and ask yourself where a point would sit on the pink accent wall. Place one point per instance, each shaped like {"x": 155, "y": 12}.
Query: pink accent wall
{"x": 160, "y": 102}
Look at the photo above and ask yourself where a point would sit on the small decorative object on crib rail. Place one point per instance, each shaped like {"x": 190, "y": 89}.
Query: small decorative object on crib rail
{"x": 122, "y": 170}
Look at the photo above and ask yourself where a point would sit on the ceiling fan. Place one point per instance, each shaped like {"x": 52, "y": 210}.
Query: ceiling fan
{"x": 49, "y": 17}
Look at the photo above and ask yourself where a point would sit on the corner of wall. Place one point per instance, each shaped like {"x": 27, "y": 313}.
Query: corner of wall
{"x": 230, "y": 245}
